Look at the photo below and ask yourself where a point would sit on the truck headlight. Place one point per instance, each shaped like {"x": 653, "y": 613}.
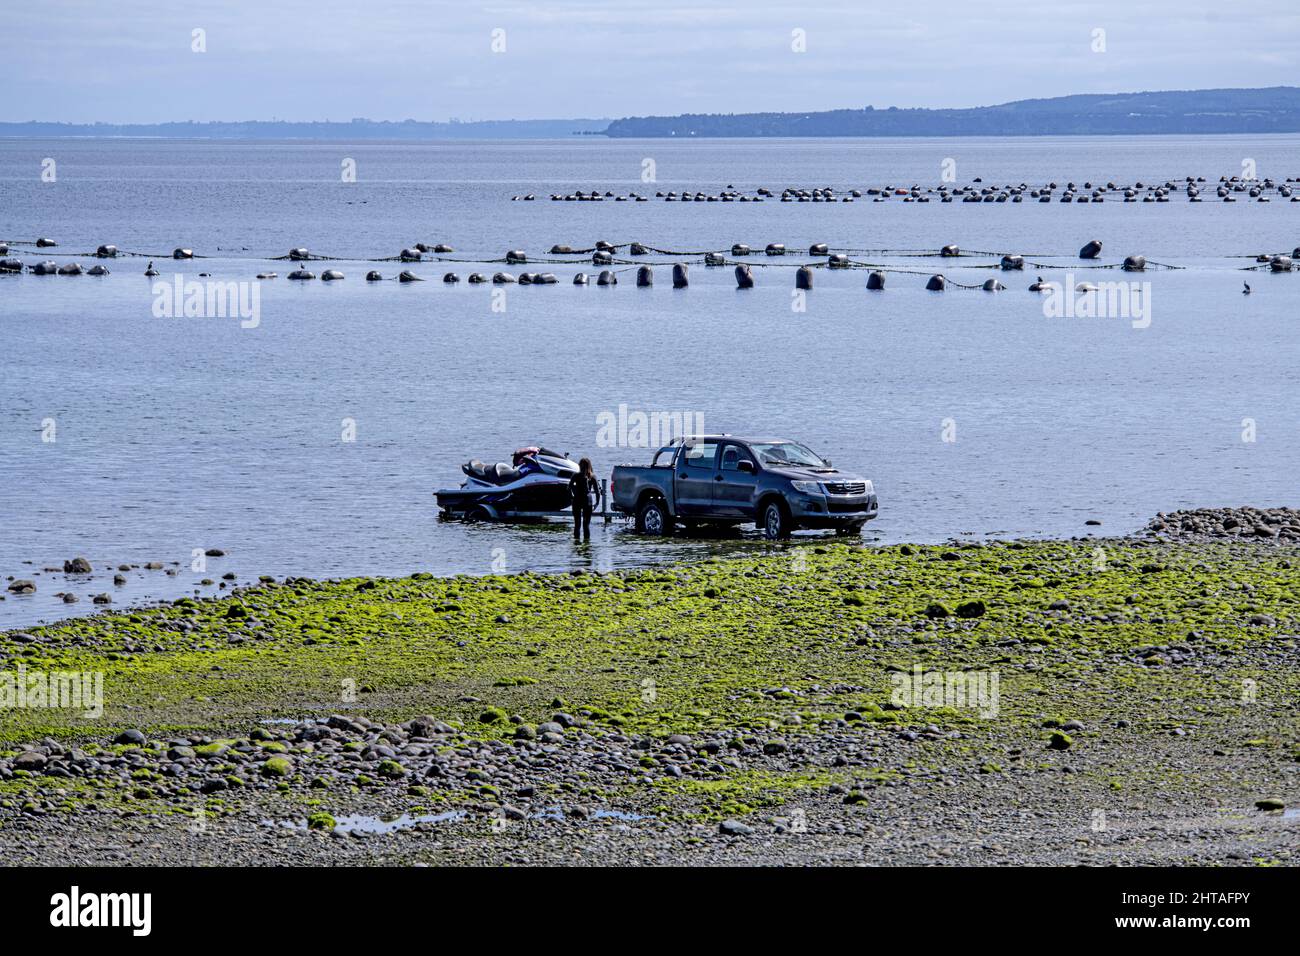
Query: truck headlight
{"x": 807, "y": 487}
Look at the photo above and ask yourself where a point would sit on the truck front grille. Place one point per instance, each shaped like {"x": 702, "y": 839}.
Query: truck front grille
{"x": 846, "y": 487}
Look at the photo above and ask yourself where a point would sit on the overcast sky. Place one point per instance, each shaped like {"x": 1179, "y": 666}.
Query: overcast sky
{"x": 132, "y": 60}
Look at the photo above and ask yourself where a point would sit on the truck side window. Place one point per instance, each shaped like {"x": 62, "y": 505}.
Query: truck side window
{"x": 731, "y": 457}
{"x": 701, "y": 455}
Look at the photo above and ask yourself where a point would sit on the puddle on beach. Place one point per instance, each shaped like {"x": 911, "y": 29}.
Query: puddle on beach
{"x": 363, "y": 823}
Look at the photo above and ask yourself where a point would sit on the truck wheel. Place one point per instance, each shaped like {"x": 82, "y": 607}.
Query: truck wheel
{"x": 652, "y": 518}
{"x": 776, "y": 522}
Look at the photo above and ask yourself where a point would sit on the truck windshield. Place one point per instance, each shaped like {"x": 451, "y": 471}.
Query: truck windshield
{"x": 785, "y": 453}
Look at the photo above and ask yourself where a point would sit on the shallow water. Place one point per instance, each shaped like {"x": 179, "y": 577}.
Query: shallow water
{"x": 177, "y": 434}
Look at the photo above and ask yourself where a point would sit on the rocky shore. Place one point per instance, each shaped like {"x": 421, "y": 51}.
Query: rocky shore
{"x": 1203, "y": 524}
{"x": 826, "y": 704}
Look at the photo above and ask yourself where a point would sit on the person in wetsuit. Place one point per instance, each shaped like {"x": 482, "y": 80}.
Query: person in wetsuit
{"x": 583, "y": 490}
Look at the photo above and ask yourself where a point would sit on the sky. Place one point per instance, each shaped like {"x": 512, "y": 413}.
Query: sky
{"x": 134, "y": 61}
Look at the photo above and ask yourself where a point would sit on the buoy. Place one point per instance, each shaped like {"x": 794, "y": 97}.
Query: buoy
{"x": 1134, "y": 263}
{"x": 1091, "y": 250}
{"x": 45, "y": 269}
{"x": 182, "y": 253}
{"x": 838, "y": 261}
{"x": 476, "y": 277}
{"x": 373, "y": 276}
{"x": 680, "y": 278}
{"x": 876, "y": 281}
{"x": 740, "y": 249}
{"x": 714, "y": 259}
{"x": 546, "y": 278}
{"x": 97, "y": 271}
{"x": 516, "y": 257}
{"x": 71, "y": 269}
{"x": 442, "y": 248}
{"x": 1280, "y": 264}
{"x": 301, "y": 274}
{"x": 637, "y": 249}
{"x": 502, "y": 278}
{"x": 561, "y": 251}
{"x": 106, "y": 252}
{"x": 775, "y": 249}
{"x": 11, "y": 265}
{"x": 992, "y": 285}
{"x": 299, "y": 255}
{"x": 1012, "y": 263}
{"x": 601, "y": 259}
{"x": 803, "y": 278}
{"x": 405, "y": 276}
{"x": 937, "y": 283}
{"x": 645, "y": 277}
{"x": 604, "y": 246}
{"x": 526, "y": 278}
{"x": 607, "y": 278}
{"x": 409, "y": 255}
{"x": 44, "y": 243}
{"x": 744, "y": 278}
{"x": 1040, "y": 286}
{"x": 451, "y": 277}
{"x": 949, "y": 252}
{"x": 819, "y": 249}
{"x": 580, "y": 279}
{"x": 330, "y": 275}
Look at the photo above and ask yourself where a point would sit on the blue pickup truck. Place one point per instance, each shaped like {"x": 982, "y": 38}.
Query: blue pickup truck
{"x": 776, "y": 484}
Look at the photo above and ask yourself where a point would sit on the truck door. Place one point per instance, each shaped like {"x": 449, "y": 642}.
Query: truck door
{"x": 734, "y": 484}
{"x": 693, "y": 481}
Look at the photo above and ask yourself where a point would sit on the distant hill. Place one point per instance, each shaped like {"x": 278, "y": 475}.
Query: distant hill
{"x": 1271, "y": 110}
{"x": 356, "y": 129}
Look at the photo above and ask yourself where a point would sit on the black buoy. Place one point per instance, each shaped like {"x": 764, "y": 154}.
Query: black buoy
{"x": 937, "y": 283}
{"x": 680, "y": 278}
{"x": 637, "y": 249}
{"x": 1134, "y": 263}
{"x": 374, "y": 276}
{"x": 405, "y": 276}
{"x": 409, "y": 255}
{"x": 949, "y": 252}
{"x": 819, "y": 249}
{"x": 607, "y": 278}
{"x": 1012, "y": 263}
{"x": 182, "y": 253}
{"x": 106, "y": 252}
{"x": 451, "y": 277}
{"x": 876, "y": 281}
{"x": 1280, "y": 264}
{"x": 992, "y": 285}
{"x": 1092, "y": 250}
{"x": 330, "y": 275}
{"x": 645, "y": 277}
{"x": 740, "y": 249}
{"x": 580, "y": 279}
{"x": 503, "y": 278}
{"x": 803, "y": 277}
{"x": 714, "y": 259}
{"x": 838, "y": 261}
{"x": 775, "y": 249}
{"x": 561, "y": 250}
{"x": 744, "y": 278}
{"x": 516, "y": 257}
{"x": 299, "y": 254}
{"x": 601, "y": 258}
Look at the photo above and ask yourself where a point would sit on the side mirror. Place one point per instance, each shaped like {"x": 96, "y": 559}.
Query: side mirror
{"x": 745, "y": 465}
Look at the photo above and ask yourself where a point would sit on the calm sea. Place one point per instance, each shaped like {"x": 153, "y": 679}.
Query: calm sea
{"x": 171, "y": 434}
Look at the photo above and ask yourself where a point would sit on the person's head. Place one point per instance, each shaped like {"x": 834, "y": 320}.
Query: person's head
{"x": 584, "y": 468}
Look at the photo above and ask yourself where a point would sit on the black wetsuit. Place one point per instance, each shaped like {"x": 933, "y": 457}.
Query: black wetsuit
{"x": 582, "y": 488}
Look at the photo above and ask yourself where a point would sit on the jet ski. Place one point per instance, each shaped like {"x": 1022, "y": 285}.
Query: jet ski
{"x": 534, "y": 482}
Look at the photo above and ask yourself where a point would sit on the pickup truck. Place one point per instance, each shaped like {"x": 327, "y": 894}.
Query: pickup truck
{"x": 778, "y": 485}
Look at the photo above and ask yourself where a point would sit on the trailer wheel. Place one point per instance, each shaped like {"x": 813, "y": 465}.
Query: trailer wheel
{"x": 652, "y": 518}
